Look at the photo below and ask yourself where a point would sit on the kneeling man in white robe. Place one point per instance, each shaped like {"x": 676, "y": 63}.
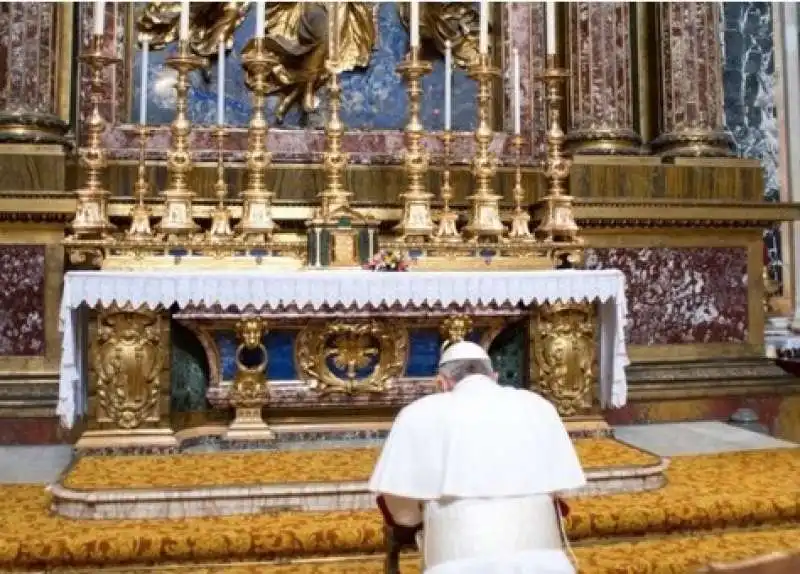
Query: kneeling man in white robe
{"x": 477, "y": 468}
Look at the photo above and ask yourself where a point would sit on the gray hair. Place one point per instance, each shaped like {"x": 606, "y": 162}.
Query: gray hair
{"x": 457, "y": 370}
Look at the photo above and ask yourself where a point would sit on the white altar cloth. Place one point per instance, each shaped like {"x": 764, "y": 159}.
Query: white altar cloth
{"x": 316, "y": 288}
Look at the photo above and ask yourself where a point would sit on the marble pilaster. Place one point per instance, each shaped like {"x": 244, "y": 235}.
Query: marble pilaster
{"x": 29, "y": 73}
{"x": 787, "y": 86}
{"x": 691, "y": 81}
{"x": 600, "y": 57}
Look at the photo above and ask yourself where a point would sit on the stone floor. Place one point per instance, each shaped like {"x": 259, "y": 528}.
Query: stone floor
{"x": 31, "y": 464}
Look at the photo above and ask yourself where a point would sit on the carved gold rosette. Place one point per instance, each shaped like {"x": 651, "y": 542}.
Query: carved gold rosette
{"x": 351, "y": 358}
{"x": 564, "y": 356}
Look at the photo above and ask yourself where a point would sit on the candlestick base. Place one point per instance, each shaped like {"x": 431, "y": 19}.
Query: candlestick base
{"x": 520, "y": 221}
{"x": 447, "y": 231}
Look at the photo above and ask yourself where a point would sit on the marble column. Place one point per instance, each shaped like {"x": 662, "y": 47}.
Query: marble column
{"x": 30, "y": 72}
{"x": 692, "y": 119}
{"x": 787, "y": 86}
{"x": 601, "y": 98}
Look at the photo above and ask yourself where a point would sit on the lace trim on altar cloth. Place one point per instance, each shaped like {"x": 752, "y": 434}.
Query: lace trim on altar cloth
{"x": 332, "y": 289}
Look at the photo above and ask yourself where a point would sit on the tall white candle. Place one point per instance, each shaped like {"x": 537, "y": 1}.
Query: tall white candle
{"x": 550, "y": 16}
{"x": 99, "y": 17}
{"x": 448, "y": 84}
{"x": 261, "y": 18}
{"x": 517, "y": 116}
{"x": 184, "y": 27}
{"x": 415, "y": 23}
{"x": 483, "y": 43}
{"x": 221, "y": 85}
{"x": 143, "y": 82}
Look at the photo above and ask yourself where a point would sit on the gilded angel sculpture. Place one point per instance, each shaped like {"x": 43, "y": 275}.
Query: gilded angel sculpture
{"x": 297, "y": 40}
{"x": 456, "y": 22}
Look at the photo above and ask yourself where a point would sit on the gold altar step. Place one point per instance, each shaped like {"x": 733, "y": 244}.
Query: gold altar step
{"x": 662, "y": 555}
{"x": 220, "y": 484}
{"x": 703, "y": 493}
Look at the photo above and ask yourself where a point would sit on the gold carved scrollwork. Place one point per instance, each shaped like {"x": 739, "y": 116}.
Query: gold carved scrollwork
{"x": 250, "y": 390}
{"x": 250, "y": 383}
{"x": 296, "y": 42}
{"x": 210, "y": 23}
{"x": 563, "y": 349}
{"x": 331, "y": 356}
{"x": 454, "y": 22}
{"x": 127, "y": 360}
{"x": 455, "y": 328}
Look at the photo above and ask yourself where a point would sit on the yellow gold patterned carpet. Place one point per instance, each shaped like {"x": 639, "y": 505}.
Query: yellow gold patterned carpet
{"x": 243, "y": 469}
{"x": 738, "y": 490}
{"x": 669, "y": 555}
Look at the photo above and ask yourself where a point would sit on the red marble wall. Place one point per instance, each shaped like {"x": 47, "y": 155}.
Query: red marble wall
{"x": 22, "y": 300}
{"x": 688, "y": 295}
{"x": 27, "y": 57}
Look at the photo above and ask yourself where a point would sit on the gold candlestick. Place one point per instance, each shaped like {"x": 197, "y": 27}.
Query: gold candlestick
{"x": 91, "y": 212}
{"x": 220, "y": 229}
{"x": 178, "y": 218}
{"x": 335, "y": 195}
{"x": 520, "y": 229}
{"x": 139, "y": 229}
{"x": 257, "y": 222}
{"x": 558, "y": 223}
{"x": 416, "y": 221}
{"x": 484, "y": 218}
{"x": 447, "y": 230}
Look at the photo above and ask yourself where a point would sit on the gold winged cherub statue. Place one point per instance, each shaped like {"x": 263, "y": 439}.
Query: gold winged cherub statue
{"x": 296, "y": 40}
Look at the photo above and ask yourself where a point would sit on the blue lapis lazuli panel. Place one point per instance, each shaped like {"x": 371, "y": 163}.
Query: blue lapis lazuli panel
{"x": 280, "y": 348}
{"x": 280, "y": 345}
{"x": 423, "y": 352}
{"x": 424, "y": 348}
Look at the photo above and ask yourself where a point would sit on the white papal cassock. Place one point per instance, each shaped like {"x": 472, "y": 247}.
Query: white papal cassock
{"x": 483, "y": 461}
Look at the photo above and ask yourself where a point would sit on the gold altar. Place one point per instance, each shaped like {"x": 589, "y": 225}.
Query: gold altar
{"x": 196, "y": 196}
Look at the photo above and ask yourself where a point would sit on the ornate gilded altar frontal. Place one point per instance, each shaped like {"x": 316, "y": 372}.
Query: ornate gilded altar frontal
{"x": 249, "y": 468}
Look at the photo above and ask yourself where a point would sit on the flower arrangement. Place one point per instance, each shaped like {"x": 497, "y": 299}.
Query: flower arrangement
{"x": 387, "y": 261}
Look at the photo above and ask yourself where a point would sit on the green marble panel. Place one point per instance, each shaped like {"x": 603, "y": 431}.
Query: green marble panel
{"x": 189, "y": 372}
{"x": 508, "y": 353}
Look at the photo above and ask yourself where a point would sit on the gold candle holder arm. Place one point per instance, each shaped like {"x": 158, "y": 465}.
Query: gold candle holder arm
{"x": 220, "y": 229}
{"x": 91, "y": 213}
{"x": 520, "y": 220}
{"x": 140, "y": 229}
{"x": 416, "y": 221}
{"x": 447, "y": 230}
{"x": 257, "y": 223}
{"x": 558, "y": 223}
{"x": 484, "y": 220}
{"x": 178, "y": 220}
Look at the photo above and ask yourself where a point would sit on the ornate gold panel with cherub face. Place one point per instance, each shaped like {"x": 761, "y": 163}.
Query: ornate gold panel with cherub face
{"x": 351, "y": 358}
